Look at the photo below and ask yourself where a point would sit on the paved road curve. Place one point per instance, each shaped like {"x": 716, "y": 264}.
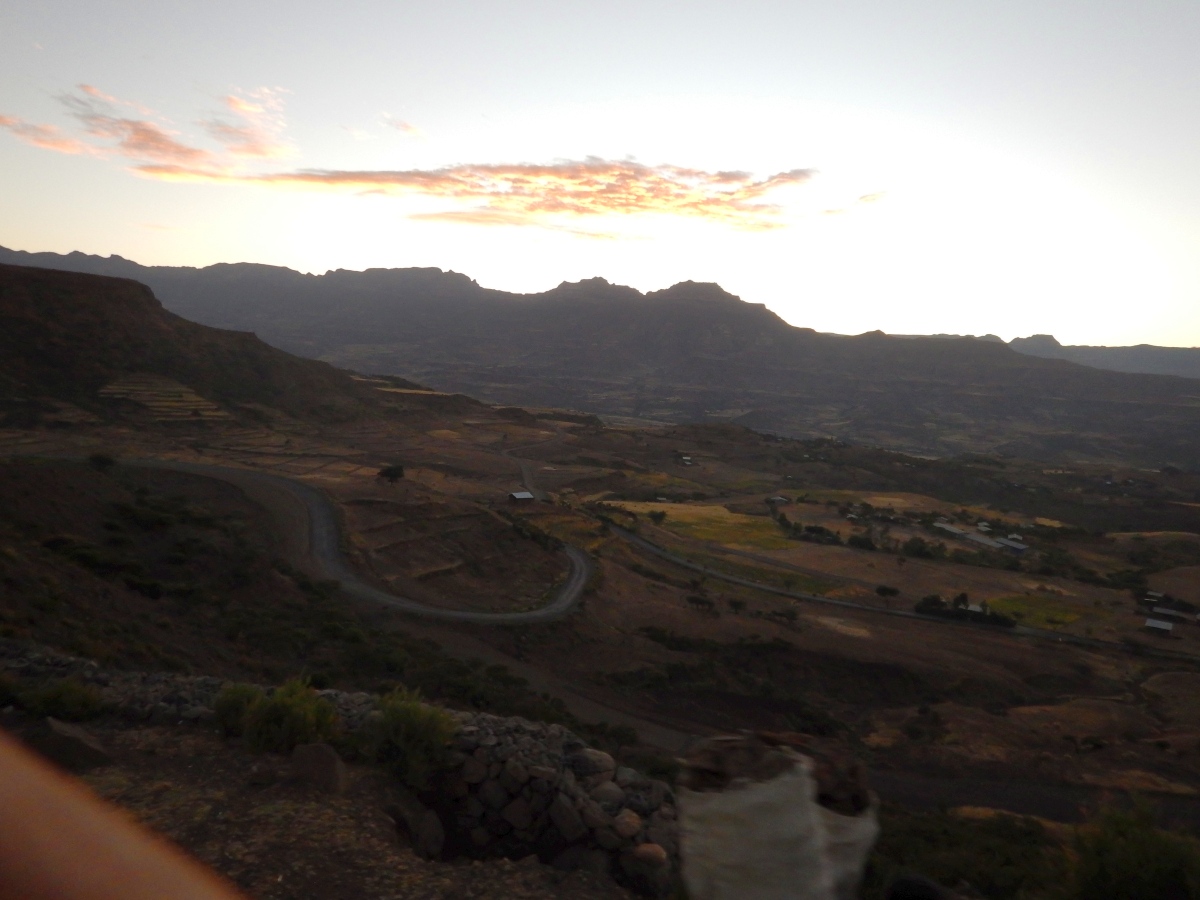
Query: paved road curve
{"x": 323, "y": 548}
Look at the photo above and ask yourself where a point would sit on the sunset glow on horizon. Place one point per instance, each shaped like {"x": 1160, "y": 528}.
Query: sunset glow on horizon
{"x": 925, "y": 191}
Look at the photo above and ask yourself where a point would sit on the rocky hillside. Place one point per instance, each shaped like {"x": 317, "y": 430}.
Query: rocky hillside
{"x": 510, "y": 788}
{"x": 689, "y": 353}
{"x": 96, "y": 341}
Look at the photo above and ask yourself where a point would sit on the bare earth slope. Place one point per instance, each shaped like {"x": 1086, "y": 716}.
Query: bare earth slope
{"x": 689, "y": 353}
{"x": 66, "y": 336}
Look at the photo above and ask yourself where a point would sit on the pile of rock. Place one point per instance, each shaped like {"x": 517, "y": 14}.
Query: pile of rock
{"x": 519, "y": 787}
{"x": 514, "y": 788}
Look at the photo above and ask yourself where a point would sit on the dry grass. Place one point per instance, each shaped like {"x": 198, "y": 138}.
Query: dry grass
{"x": 715, "y": 524}
{"x": 1039, "y": 611}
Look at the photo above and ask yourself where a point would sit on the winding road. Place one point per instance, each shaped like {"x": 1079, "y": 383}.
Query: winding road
{"x": 321, "y": 546}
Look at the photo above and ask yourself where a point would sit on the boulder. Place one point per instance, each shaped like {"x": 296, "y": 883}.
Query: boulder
{"x": 518, "y": 814}
{"x": 567, "y": 819}
{"x": 593, "y": 814}
{"x": 589, "y": 761}
{"x": 493, "y": 794}
{"x": 608, "y": 839}
{"x": 473, "y": 771}
{"x": 607, "y": 794}
{"x": 648, "y": 867}
{"x": 627, "y": 823}
{"x": 516, "y": 770}
{"x": 627, "y": 777}
{"x": 320, "y": 766}
{"x": 430, "y": 837}
{"x": 68, "y": 746}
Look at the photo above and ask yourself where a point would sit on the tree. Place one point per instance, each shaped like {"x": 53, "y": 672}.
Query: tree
{"x": 885, "y": 591}
{"x": 919, "y": 547}
{"x": 101, "y": 462}
{"x": 658, "y": 516}
{"x": 392, "y": 473}
{"x": 962, "y": 601}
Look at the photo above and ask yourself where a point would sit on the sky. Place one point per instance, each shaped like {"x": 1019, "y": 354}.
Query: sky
{"x": 930, "y": 166}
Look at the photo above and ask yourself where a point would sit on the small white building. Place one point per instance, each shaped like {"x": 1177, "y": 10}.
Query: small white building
{"x": 520, "y": 497}
{"x": 953, "y": 529}
{"x": 1013, "y": 545}
{"x": 1159, "y": 626}
{"x": 983, "y": 539}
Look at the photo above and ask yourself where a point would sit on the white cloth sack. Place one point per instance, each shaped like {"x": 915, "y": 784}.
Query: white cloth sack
{"x": 848, "y": 842}
{"x": 771, "y": 840}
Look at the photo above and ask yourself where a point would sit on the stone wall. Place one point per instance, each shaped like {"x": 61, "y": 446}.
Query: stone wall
{"x": 514, "y": 788}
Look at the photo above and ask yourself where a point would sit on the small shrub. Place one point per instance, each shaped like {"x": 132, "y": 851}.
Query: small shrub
{"x": 232, "y": 705}
{"x": 101, "y": 462}
{"x": 1121, "y": 855}
{"x": 657, "y": 516}
{"x": 409, "y": 737}
{"x": 292, "y": 715}
{"x": 68, "y": 699}
{"x": 392, "y": 473}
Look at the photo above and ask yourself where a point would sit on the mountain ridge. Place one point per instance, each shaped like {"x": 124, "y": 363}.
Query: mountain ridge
{"x": 690, "y": 353}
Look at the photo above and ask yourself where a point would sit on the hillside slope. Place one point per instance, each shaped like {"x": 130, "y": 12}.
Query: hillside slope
{"x": 690, "y": 353}
{"x": 69, "y": 336}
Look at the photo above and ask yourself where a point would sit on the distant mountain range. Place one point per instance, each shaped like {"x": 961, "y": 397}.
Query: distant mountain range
{"x": 689, "y": 353}
{"x": 1143, "y": 358}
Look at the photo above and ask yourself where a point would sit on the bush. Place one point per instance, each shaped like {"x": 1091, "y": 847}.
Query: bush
{"x": 657, "y": 516}
{"x": 1003, "y": 858}
{"x": 232, "y": 705}
{"x": 860, "y": 542}
{"x": 392, "y": 473}
{"x": 409, "y": 737}
{"x": 101, "y": 462}
{"x": 1120, "y": 855}
{"x": 68, "y": 699}
{"x": 292, "y": 715}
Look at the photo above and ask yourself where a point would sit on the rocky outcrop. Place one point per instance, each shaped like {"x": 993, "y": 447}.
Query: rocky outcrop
{"x": 518, "y": 787}
{"x": 513, "y": 787}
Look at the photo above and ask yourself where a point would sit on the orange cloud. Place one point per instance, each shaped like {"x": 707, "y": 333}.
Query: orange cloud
{"x": 511, "y": 194}
{"x": 552, "y": 195}
{"x": 135, "y": 138}
{"x": 45, "y": 136}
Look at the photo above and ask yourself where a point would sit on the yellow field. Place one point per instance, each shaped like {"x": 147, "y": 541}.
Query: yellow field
{"x": 716, "y": 524}
{"x": 1040, "y": 612}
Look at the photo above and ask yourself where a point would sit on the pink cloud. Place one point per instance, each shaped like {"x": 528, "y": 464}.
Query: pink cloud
{"x": 583, "y": 188}
{"x": 45, "y": 136}
{"x": 551, "y": 195}
{"x": 401, "y": 125}
{"x": 139, "y": 139}
{"x": 257, "y": 124}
